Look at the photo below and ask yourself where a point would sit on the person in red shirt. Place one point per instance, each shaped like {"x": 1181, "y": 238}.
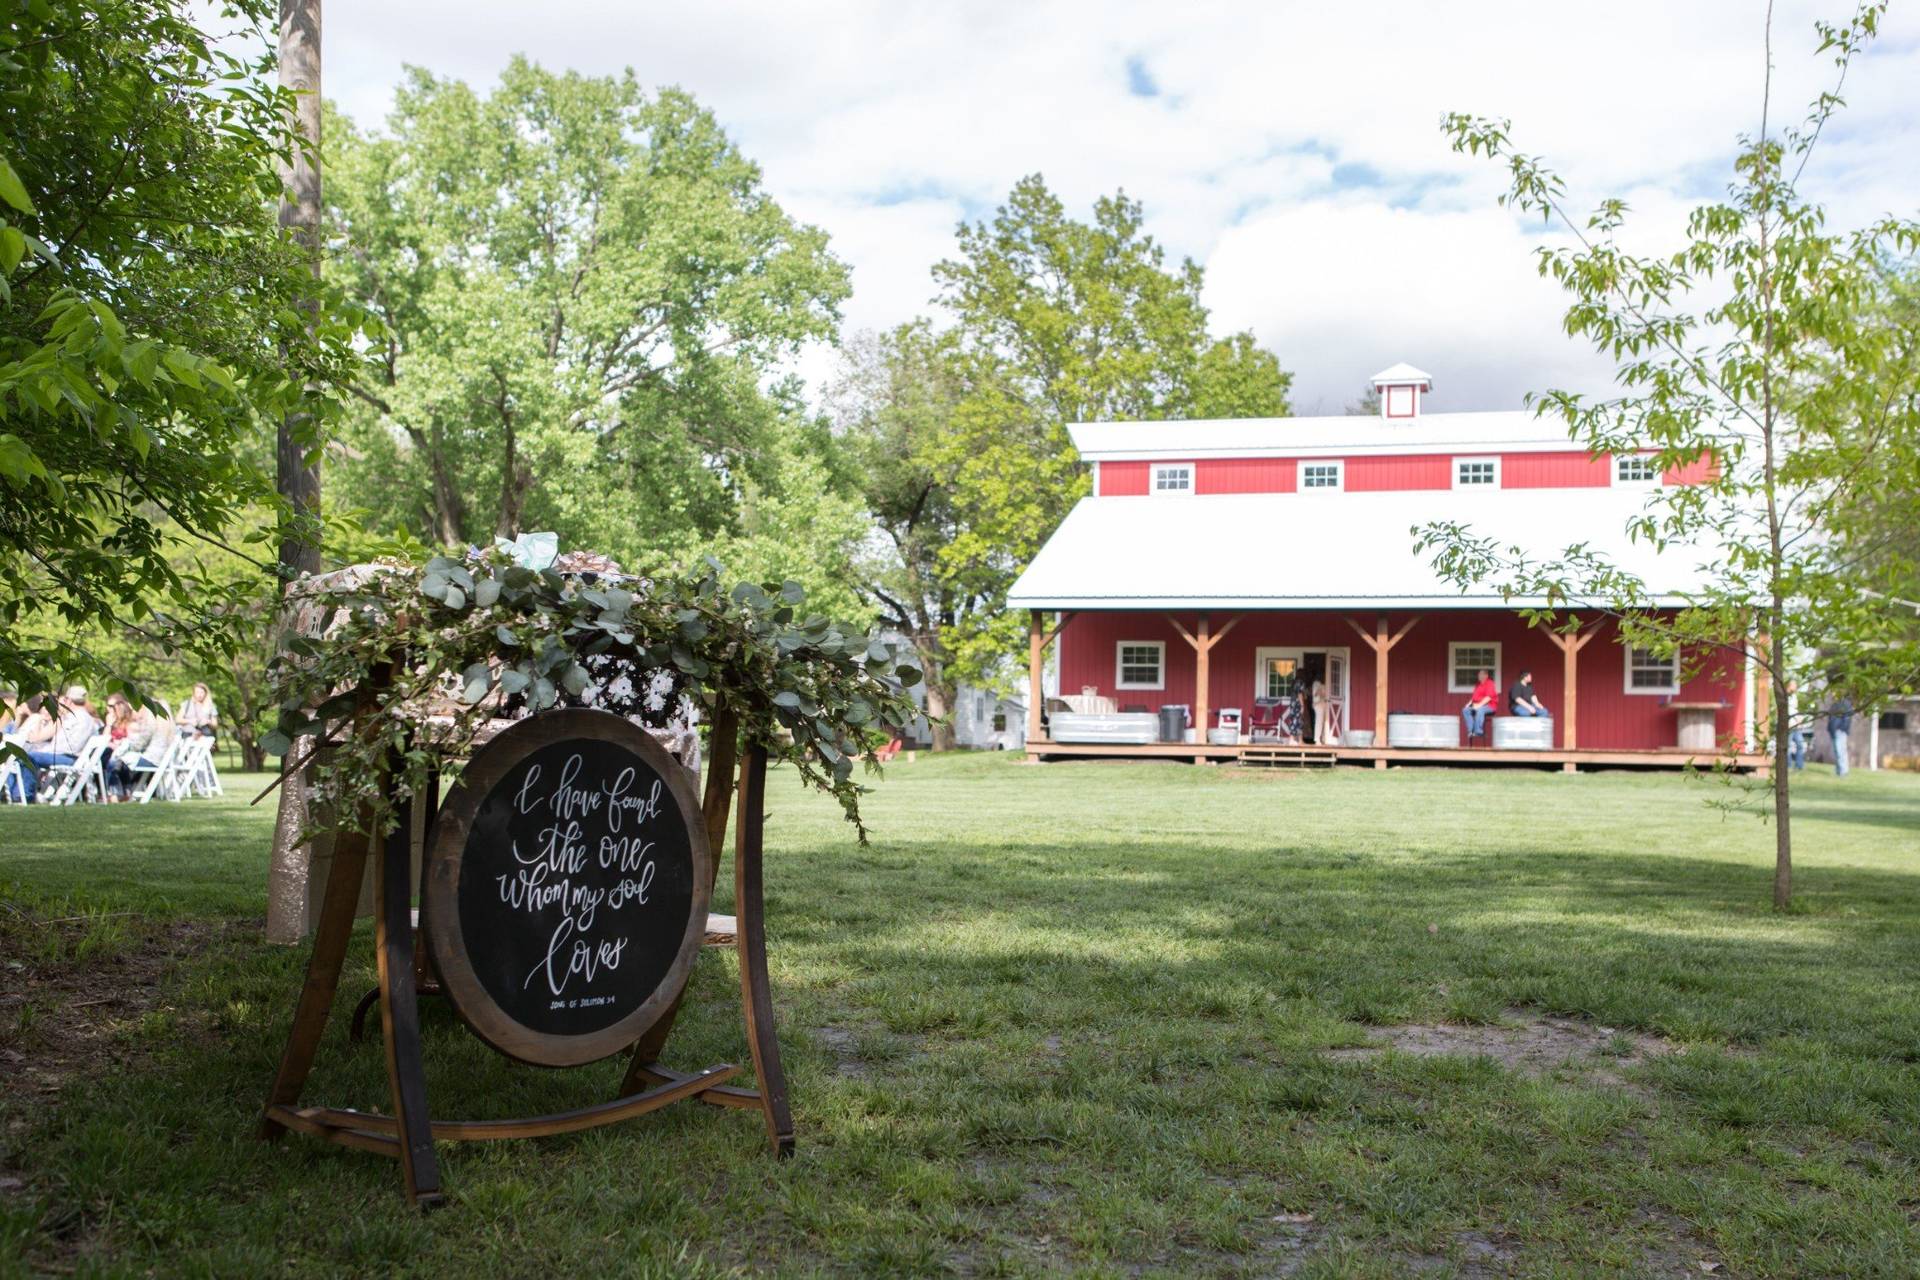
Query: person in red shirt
{"x": 1480, "y": 706}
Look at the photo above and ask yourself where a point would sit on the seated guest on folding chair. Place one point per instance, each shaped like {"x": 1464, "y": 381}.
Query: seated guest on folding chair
{"x": 13, "y": 720}
{"x": 199, "y": 718}
{"x": 1521, "y": 700}
{"x": 132, "y": 729}
{"x": 32, "y": 727}
{"x": 1480, "y": 706}
{"x": 72, "y": 730}
{"x": 35, "y": 725}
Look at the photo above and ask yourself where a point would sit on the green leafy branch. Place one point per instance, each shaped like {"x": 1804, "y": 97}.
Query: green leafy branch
{"x": 411, "y": 662}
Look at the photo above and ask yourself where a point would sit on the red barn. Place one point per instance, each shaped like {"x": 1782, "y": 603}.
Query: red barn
{"x": 1227, "y": 567}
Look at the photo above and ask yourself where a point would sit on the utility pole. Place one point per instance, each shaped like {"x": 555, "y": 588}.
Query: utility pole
{"x": 297, "y": 480}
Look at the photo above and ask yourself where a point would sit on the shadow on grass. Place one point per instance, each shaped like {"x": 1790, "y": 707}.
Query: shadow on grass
{"x": 1672, "y": 945}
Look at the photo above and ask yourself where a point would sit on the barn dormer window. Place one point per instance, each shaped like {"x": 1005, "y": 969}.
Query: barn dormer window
{"x": 1635, "y": 469}
{"x": 1472, "y": 473}
{"x": 1322, "y": 476}
{"x": 1172, "y": 478}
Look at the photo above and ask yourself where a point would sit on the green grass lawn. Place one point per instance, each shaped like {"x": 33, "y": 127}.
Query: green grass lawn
{"x": 1080, "y": 1017}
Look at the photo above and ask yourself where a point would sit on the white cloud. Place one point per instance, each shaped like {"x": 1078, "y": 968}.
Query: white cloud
{"x": 1292, "y": 147}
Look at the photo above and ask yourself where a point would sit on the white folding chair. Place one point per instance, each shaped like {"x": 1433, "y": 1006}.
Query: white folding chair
{"x": 158, "y": 771}
{"x": 196, "y": 773}
{"x": 85, "y": 778}
{"x": 209, "y": 775}
{"x": 177, "y": 784}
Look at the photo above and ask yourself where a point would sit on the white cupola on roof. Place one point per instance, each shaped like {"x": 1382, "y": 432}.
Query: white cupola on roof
{"x": 1400, "y": 389}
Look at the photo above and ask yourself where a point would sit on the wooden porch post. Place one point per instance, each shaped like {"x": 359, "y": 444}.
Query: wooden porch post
{"x": 1382, "y": 645}
{"x": 1202, "y": 645}
{"x": 1035, "y": 653}
{"x": 1569, "y": 696}
{"x": 1570, "y": 645}
{"x": 1380, "y": 651}
{"x": 1202, "y": 650}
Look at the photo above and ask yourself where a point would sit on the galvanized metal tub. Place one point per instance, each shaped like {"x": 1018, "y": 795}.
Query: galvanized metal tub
{"x": 1131, "y": 728}
{"x": 1357, "y": 738}
{"x": 1405, "y": 730}
{"x": 1523, "y": 733}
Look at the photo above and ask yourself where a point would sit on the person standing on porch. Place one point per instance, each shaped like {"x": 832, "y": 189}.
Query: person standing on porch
{"x": 1521, "y": 700}
{"x": 1320, "y": 705}
{"x": 1480, "y": 705}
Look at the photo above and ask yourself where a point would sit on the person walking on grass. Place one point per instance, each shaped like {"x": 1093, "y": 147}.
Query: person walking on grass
{"x": 1796, "y": 736}
{"x": 1521, "y": 700}
{"x": 1839, "y": 728}
{"x": 1480, "y": 705}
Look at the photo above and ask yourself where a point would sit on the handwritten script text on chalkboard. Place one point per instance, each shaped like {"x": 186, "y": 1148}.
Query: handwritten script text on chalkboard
{"x": 576, "y": 884}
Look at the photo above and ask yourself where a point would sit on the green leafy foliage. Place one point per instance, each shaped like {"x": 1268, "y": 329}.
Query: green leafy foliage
{"x": 147, "y": 322}
{"x": 586, "y": 291}
{"x": 458, "y": 637}
{"x": 1779, "y": 354}
{"x": 961, "y": 436}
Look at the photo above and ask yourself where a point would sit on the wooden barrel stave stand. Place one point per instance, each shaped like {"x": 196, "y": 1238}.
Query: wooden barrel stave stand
{"x": 409, "y": 1133}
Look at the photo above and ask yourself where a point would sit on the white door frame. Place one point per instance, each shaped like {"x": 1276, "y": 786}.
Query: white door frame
{"x": 1298, "y": 653}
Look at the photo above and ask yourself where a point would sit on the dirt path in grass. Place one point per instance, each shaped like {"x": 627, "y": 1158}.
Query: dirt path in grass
{"x": 75, "y": 995}
{"x": 1527, "y": 1042}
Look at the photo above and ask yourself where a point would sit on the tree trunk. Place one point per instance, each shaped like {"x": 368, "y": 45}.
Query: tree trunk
{"x": 449, "y": 512}
{"x": 940, "y": 696}
{"x": 297, "y": 479}
{"x": 513, "y": 477}
{"x": 252, "y": 758}
{"x": 1782, "y": 787}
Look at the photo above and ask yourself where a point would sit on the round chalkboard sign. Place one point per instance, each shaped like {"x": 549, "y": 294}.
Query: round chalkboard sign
{"x": 566, "y": 887}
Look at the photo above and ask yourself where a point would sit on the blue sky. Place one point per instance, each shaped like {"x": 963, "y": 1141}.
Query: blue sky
{"x": 1291, "y": 148}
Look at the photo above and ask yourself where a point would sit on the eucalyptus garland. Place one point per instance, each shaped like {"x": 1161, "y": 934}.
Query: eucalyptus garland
{"x": 410, "y": 662}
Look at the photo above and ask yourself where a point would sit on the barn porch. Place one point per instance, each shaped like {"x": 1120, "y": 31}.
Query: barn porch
{"x": 1308, "y": 756}
{"x": 1612, "y": 707}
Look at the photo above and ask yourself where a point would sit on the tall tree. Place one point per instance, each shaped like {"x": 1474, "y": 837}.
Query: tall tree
{"x": 1875, "y": 516}
{"x": 147, "y": 340}
{"x": 1758, "y": 346}
{"x": 963, "y": 434}
{"x": 584, "y": 288}
{"x": 297, "y": 463}
{"x": 897, "y": 402}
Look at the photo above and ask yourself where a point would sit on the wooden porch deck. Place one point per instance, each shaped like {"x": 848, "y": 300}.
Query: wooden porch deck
{"x": 1277, "y": 755}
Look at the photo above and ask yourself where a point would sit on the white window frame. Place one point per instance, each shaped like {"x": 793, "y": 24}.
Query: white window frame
{"x": 1153, "y": 479}
{"x": 1620, "y": 460}
{"x": 1339, "y": 476}
{"x": 1494, "y": 462}
{"x": 1453, "y": 663}
{"x": 1667, "y": 690}
{"x": 1120, "y": 648}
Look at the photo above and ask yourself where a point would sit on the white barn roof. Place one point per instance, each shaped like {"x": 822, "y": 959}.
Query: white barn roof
{"x": 1324, "y": 551}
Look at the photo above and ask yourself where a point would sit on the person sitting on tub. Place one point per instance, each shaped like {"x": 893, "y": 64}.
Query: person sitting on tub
{"x": 1521, "y": 700}
{"x": 1480, "y": 706}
